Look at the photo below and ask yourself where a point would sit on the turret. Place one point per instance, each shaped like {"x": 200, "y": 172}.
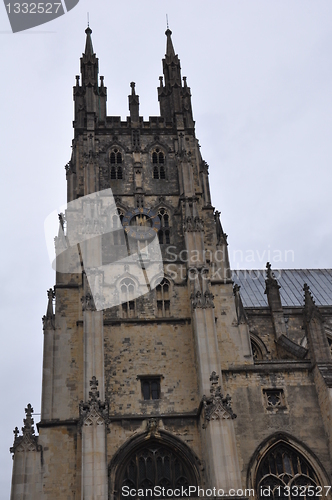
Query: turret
{"x": 175, "y": 99}
{"x": 90, "y": 98}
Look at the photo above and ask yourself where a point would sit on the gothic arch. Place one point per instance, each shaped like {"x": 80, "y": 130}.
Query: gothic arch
{"x": 153, "y": 445}
{"x": 257, "y": 342}
{"x": 283, "y": 444}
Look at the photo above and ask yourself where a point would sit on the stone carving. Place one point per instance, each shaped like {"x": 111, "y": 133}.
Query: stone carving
{"x": 94, "y": 411}
{"x": 199, "y": 300}
{"x": 192, "y": 224}
{"x": 217, "y": 406}
{"x": 28, "y": 441}
{"x": 88, "y": 302}
{"x": 152, "y": 425}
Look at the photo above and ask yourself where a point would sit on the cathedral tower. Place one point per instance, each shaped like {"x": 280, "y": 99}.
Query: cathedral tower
{"x": 156, "y": 370}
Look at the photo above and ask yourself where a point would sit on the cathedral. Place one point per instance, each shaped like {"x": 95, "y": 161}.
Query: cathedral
{"x": 165, "y": 373}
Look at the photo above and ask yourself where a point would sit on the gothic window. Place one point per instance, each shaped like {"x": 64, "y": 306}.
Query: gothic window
{"x": 163, "y": 300}
{"x": 158, "y": 162}
{"x": 283, "y": 467}
{"x": 155, "y": 464}
{"x": 274, "y": 398}
{"x": 164, "y": 232}
{"x": 127, "y": 298}
{"x": 116, "y": 164}
{"x": 150, "y": 388}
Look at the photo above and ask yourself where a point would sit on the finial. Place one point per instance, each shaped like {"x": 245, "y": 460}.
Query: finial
{"x": 161, "y": 81}
{"x": 88, "y": 19}
{"x": 132, "y": 84}
{"x": 167, "y": 22}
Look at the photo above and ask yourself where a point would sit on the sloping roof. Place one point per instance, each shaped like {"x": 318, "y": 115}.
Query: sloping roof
{"x": 252, "y": 284}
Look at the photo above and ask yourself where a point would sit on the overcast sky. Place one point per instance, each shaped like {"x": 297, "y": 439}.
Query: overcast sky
{"x": 260, "y": 73}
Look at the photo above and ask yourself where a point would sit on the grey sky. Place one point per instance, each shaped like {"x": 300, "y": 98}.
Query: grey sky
{"x": 260, "y": 73}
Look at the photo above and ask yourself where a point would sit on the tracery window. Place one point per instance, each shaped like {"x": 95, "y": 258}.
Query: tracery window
{"x": 127, "y": 298}
{"x": 164, "y": 232}
{"x": 256, "y": 351}
{"x": 158, "y": 161}
{"x": 116, "y": 164}
{"x": 163, "y": 300}
{"x": 283, "y": 470}
{"x": 152, "y": 465}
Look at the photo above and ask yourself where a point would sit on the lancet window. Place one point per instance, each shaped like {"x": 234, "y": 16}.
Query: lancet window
{"x": 158, "y": 162}
{"x": 127, "y": 290}
{"x": 116, "y": 164}
{"x": 164, "y": 232}
{"x": 163, "y": 299}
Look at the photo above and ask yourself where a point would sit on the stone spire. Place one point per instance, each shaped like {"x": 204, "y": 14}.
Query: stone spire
{"x": 89, "y": 62}
{"x": 133, "y": 104}
{"x": 89, "y": 96}
{"x": 175, "y": 99}
{"x": 48, "y": 319}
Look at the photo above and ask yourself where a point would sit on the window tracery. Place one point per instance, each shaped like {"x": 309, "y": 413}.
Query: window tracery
{"x": 284, "y": 469}
{"x": 163, "y": 299}
{"x": 116, "y": 164}
{"x": 127, "y": 289}
{"x": 155, "y": 464}
{"x": 164, "y": 232}
{"x": 158, "y": 162}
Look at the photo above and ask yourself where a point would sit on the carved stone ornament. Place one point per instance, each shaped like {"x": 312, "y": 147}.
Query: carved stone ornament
{"x": 202, "y": 301}
{"x": 193, "y": 224}
{"x": 28, "y": 441}
{"x": 217, "y": 406}
{"x": 152, "y": 425}
{"x": 94, "y": 411}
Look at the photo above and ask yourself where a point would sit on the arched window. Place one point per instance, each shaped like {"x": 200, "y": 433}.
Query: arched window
{"x": 256, "y": 351}
{"x": 158, "y": 162}
{"x": 116, "y": 164}
{"x": 127, "y": 290}
{"x": 283, "y": 466}
{"x": 154, "y": 464}
{"x": 164, "y": 232}
{"x": 163, "y": 299}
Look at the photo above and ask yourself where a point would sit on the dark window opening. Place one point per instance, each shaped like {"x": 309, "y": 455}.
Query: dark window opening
{"x": 150, "y": 388}
{"x": 284, "y": 467}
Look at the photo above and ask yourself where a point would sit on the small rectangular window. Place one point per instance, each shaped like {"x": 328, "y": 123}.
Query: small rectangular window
{"x": 150, "y": 388}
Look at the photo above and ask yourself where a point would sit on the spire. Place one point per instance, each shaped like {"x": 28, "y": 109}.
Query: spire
{"x": 170, "y": 52}
{"x": 89, "y": 63}
{"x": 48, "y": 319}
{"x": 133, "y": 104}
{"x": 88, "y": 44}
{"x": 175, "y": 99}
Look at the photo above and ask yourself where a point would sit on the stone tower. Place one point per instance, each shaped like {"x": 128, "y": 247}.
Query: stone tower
{"x": 157, "y": 371}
